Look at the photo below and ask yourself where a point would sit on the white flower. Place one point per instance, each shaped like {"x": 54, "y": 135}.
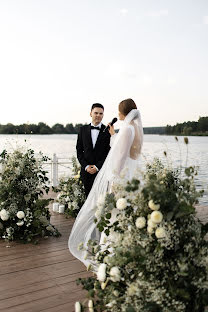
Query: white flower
{"x": 98, "y": 213}
{"x": 160, "y": 232}
{"x": 4, "y": 214}
{"x": 101, "y": 200}
{"x": 151, "y": 224}
{"x": 20, "y": 214}
{"x": 150, "y": 230}
{"x": 20, "y": 223}
{"x": 76, "y": 177}
{"x": 9, "y": 230}
{"x": 153, "y": 206}
{"x": 115, "y": 274}
{"x": 132, "y": 289}
{"x": 140, "y": 222}
{"x": 90, "y": 305}
{"x": 50, "y": 228}
{"x": 101, "y": 273}
{"x": 78, "y": 307}
{"x": 156, "y": 216}
{"x": 121, "y": 203}
{"x": 111, "y": 304}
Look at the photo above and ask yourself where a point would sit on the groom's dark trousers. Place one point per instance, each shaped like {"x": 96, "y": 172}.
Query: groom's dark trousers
{"x": 87, "y": 155}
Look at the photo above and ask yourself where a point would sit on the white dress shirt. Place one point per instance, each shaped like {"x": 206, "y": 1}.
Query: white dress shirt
{"x": 94, "y": 136}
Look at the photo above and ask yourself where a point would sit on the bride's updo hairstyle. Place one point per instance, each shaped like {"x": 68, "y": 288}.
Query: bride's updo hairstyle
{"x": 126, "y": 106}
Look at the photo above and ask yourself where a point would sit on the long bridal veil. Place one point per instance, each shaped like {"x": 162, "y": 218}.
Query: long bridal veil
{"x": 127, "y": 144}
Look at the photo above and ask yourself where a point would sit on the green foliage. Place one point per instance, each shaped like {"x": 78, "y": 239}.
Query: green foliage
{"x": 189, "y": 128}
{"x": 24, "y": 215}
{"x": 162, "y": 264}
{"x": 40, "y": 128}
{"x": 71, "y": 191}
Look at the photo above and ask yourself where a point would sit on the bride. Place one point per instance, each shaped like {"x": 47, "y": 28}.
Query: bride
{"x": 125, "y": 150}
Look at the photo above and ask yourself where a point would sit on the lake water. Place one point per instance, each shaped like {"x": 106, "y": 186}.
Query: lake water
{"x": 64, "y": 146}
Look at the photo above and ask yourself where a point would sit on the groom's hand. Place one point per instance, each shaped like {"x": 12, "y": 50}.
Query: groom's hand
{"x": 91, "y": 169}
{"x": 94, "y": 169}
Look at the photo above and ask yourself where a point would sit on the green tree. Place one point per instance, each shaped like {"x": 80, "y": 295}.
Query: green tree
{"x": 70, "y": 129}
{"x": 203, "y": 124}
{"x": 44, "y": 128}
{"x": 58, "y": 129}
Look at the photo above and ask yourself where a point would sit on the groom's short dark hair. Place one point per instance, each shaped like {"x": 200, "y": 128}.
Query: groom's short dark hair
{"x": 97, "y": 105}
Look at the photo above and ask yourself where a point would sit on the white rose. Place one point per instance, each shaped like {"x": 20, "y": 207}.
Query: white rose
{"x": 140, "y": 222}
{"x": 115, "y": 274}
{"x": 160, "y": 232}
{"x": 20, "y": 223}
{"x": 20, "y": 214}
{"x": 101, "y": 273}
{"x": 153, "y": 206}
{"x": 151, "y": 224}
{"x": 156, "y": 216}
{"x": 78, "y": 307}
{"x": 150, "y": 230}
{"x": 4, "y": 214}
{"x": 121, "y": 203}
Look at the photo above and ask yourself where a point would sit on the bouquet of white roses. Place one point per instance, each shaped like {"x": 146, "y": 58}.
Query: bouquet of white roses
{"x": 153, "y": 256}
{"x": 24, "y": 214}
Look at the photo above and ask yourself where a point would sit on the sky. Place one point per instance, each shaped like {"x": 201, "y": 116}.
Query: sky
{"x": 58, "y": 57}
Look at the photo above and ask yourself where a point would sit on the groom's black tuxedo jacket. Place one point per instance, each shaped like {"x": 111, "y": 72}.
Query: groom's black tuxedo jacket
{"x": 87, "y": 155}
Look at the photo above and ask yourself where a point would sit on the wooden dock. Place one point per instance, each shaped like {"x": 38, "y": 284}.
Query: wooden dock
{"x": 42, "y": 277}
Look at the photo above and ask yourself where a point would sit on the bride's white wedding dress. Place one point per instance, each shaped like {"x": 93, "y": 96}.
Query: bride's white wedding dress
{"x": 125, "y": 150}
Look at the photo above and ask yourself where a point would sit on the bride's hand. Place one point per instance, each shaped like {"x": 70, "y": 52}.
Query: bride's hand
{"x": 111, "y": 130}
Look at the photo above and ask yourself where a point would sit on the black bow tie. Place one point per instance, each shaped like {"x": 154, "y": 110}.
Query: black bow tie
{"x": 96, "y": 128}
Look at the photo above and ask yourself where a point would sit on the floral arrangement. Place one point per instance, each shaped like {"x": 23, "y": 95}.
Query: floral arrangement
{"x": 24, "y": 215}
{"x": 153, "y": 255}
{"x": 71, "y": 191}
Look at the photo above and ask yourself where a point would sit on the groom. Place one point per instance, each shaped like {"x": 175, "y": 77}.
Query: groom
{"x": 92, "y": 147}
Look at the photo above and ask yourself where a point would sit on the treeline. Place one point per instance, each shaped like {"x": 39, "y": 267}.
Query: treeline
{"x": 199, "y": 127}
{"x": 40, "y": 128}
{"x": 43, "y": 128}
{"x": 154, "y": 130}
